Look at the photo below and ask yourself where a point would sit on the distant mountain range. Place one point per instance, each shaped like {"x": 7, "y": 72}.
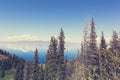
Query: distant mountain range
{"x": 26, "y": 46}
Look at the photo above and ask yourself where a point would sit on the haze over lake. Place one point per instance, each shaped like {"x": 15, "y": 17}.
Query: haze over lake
{"x": 25, "y": 49}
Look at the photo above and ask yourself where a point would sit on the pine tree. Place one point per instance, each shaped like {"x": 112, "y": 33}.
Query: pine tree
{"x": 41, "y": 72}
{"x": 51, "y": 65}
{"x": 66, "y": 60}
{"x": 114, "y": 44}
{"x": 82, "y": 66}
{"x": 2, "y": 69}
{"x": 115, "y": 50}
{"x": 85, "y": 42}
{"x": 27, "y": 70}
{"x": 47, "y": 65}
{"x": 93, "y": 59}
{"x": 19, "y": 71}
{"x": 61, "y": 48}
{"x": 84, "y": 52}
{"x": 102, "y": 63}
{"x": 35, "y": 67}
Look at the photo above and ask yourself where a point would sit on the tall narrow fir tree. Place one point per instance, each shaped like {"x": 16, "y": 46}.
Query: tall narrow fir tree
{"x": 93, "y": 58}
{"x": 61, "y": 48}
{"x": 35, "y": 68}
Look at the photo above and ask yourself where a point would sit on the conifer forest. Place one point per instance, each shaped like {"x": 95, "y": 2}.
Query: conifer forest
{"x": 94, "y": 61}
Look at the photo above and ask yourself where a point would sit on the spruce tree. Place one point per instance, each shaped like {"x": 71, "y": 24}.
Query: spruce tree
{"x": 102, "y": 67}
{"x": 51, "y": 65}
{"x": 27, "y": 70}
{"x": 2, "y": 69}
{"x": 66, "y": 60}
{"x": 35, "y": 67}
{"x": 19, "y": 71}
{"x": 93, "y": 59}
{"x": 114, "y": 44}
{"x": 85, "y": 52}
{"x": 41, "y": 72}
{"x": 61, "y": 48}
{"x": 82, "y": 66}
{"x": 115, "y": 50}
{"x": 47, "y": 65}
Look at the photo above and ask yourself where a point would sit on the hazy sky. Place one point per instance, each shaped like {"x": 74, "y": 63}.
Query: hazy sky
{"x": 40, "y": 19}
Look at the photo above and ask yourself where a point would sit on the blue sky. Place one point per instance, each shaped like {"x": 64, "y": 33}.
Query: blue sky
{"x": 40, "y": 19}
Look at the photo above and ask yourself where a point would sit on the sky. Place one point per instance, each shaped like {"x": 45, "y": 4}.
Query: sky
{"x": 41, "y": 19}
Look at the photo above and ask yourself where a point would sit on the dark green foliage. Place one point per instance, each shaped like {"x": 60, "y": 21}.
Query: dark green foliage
{"x": 2, "y": 69}
{"x": 98, "y": 63}
{"x": 60, "y": 55}
{"x": 19, "y": 71}
{"x": 35, "y": 67}
{"x": 27, "y": 70}
{"x": 102, "y": 59}
{"x": 93, "y": 55}
{"x": 115, "y": 52}
{"x": 41, "y": 73}
{"x": 51, "y": 64}
{"x": 8, "y": 62}
{"x": 55, "y": 66}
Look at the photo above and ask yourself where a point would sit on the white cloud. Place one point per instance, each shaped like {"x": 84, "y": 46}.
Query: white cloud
{"x": 25, "y": 37}
{"x": 26, "y": 46}
{"x": 32, "y": 45}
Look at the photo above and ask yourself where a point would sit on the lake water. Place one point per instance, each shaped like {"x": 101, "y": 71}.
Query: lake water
{"x": 26, "y": 50}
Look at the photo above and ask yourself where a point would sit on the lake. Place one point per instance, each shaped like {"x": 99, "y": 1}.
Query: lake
{"x": 25, "y": 49}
